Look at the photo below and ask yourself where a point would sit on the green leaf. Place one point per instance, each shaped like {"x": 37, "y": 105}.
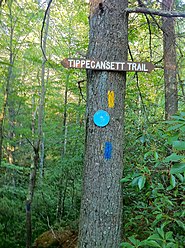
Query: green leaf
{"x": 135, "y": 181}
{"x": 173, "y": 138}
{"x": 161, "y": 232}
{"x": 169, "y": 236}
{"x": 156, "y": 156}
{"x": 159, "y": 216}
{"x": 173, "y": 158}
{"x": 179, "y": 118}
{"x": 13, "y": 166}
{"x": 180, "y": 177}
{"x": 141, "y": 182}
{"x": 150, "y": 243}
{"x": 182, "y": 129}
{"x": 125, "y": 180}
{"x": 155, "y": 236}
{"x": 181, "y": 224}
{"x": 177, "y": 168}
{"x": 179, "y": 145}
{"x": 126, "y": 245}
{"x": 142, "y": 139}
{"x": 134, "y": 240}
{"x": 148, "y": 154}
{"x": 172, "y": 181}
{"x": 175, "y": 127}
{"x": 169, "y": 187}
{"x": 171, "y": 244}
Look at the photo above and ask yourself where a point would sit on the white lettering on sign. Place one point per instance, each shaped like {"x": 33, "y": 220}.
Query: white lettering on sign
{"x": 97, "y": 66}
{"x": 70, "y": 62}
{"x": 77, "y": 63}
{"x": 92, "y": 64}
{"x": 137, "y": 66}
{"x": 112, "y": 66}
{"x": 88, "y": 65}
{"x": 83, "y": 63}
{"x": 144, "y": 68}
{"x": 108, "y": 65}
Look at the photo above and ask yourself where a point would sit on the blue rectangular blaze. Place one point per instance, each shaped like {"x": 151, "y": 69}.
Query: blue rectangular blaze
{"x": 108, "y": 150}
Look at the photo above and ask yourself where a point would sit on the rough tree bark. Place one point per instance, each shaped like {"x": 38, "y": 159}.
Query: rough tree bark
{"x": 170, "y": 65}
{"x": 101, "y": 207}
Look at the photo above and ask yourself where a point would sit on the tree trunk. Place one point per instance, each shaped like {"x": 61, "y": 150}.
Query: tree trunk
{"x": 9, "y": 80}
{"x": 38, "y": 144}
{"x": 170, "y": 65}
{"x": 2, "y": 117}
{"x": 29, "y": 199}
{"x": 42, "y": 96}
{"x": 64, "y": 128}
{"x": 101, "y": 207}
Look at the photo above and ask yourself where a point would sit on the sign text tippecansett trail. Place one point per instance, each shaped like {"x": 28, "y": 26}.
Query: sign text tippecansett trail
{"x": 107, "y": 65}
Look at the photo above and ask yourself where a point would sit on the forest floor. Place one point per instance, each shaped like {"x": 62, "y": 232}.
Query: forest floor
{"x": 56, "y": 239}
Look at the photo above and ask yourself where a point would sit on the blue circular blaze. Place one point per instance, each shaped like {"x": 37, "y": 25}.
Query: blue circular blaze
{"x": 101, "y": 118}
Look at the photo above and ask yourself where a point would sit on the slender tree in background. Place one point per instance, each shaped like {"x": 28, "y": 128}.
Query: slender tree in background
{"x": 9, "y": 80}
{"x": 61, "y": 194}
{"x": 64, "y": 128}
{"x": 170, "y": 63}
{"x": 169, "y": 51}
{"x": 101, "y": 207}
{"x": 38, "y": 145}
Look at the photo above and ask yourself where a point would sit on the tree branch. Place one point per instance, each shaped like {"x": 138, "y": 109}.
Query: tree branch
{"x": 163, "y": 13}
{"x": 150, "y": 35}
{"x": 138, "y": 87}
{"x": 42, "y": 29}
{"x": 80, "y": 89}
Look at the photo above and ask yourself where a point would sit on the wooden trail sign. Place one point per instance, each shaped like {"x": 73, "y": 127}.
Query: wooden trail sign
{"x": 107, "y": 65}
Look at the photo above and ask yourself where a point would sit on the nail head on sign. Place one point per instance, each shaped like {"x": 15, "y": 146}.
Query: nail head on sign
{"x": 101, "y": 118}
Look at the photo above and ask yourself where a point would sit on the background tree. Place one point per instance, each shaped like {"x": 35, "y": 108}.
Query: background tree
{"x": 38, "y": 144}
{"x": 8, "y": 87}
{"x": 170, "y": 63}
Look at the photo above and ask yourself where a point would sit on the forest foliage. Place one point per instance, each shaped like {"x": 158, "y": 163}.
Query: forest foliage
{"x": 154, "y": 157}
